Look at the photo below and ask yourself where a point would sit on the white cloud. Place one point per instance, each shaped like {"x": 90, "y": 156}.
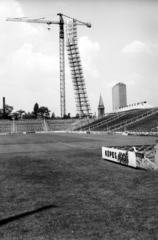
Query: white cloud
{"x": 15, "y": 34}
{"x": 87, "y": 46}
{"x": 29, "y": 71}
{"x": 89, "y": 52}
{"x": 26, "y": 58}
{"x": 61, "y": 4}
{"x": 133, "y": 79}
{"x": 111, "y": 84}
{"x": 10, "y": 8}
{"x": 140, "y": 47}
{"x": 135, "y": 47}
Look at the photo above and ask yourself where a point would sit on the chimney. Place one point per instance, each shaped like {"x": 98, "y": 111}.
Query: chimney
{"x": 3, "y": 106}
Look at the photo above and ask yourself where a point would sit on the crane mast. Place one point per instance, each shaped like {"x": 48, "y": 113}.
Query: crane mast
{"x": 62, "y": 66}
{"x": 82, "y": 105}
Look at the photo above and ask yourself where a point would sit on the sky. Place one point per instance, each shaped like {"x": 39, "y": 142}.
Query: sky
{"x": 121, "y": 46}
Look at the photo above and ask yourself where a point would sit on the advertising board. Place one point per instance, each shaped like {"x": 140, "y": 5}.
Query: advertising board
{"x": 124, "y": 157}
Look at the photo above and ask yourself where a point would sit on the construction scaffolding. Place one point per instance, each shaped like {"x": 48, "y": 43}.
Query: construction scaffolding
{"x": 81, "y": 98}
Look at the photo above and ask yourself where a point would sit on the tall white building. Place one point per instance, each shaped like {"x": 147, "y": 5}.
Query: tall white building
{"x": 119, "y": 96}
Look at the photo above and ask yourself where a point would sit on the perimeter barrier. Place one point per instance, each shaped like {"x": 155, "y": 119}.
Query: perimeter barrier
{"x": 132, "y": 157}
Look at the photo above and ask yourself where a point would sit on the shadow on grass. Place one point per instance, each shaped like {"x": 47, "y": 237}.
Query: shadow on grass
{"x": 16, "y": 217}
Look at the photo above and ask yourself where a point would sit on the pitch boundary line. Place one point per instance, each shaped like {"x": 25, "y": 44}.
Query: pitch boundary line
{"x": 79, "y": 147}
{"x": 67, "y": 144}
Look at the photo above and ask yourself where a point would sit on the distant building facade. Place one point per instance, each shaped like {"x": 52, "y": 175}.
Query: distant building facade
{"x": 119, "y": 96}
{"x": 101, "y": 107}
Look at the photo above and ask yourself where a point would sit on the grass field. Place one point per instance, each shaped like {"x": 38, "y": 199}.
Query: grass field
{"x": 57, "y": 186}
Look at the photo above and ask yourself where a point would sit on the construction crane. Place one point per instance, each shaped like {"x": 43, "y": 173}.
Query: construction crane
{"x": 61, "y": 23}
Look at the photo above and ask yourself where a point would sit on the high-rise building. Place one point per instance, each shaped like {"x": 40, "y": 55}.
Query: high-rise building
{"x": 119, "y": 97}
{"x": 101, "y": 107}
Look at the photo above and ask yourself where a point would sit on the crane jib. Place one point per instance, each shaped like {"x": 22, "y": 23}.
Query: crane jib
{"x": 49, "y": 22}
{"x": 32, "y": 20}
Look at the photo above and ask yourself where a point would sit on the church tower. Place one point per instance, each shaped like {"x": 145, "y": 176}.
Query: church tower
{"x": 101, "y": 107}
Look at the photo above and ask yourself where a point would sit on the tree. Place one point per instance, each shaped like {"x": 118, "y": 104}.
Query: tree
{"x": 77, "y": 115}
{"x": 15, "y": 116}
{"x": 35, "y": 109}
{"x": 29, "y": 116}
{"x": 1, "y": 113}
{"x": 8, "y": 112}
{"x": 20, "y": 112}
{"x": 43, "y": 112}
{"x": 67, "y": 116}
{"x": 53, "y": 115}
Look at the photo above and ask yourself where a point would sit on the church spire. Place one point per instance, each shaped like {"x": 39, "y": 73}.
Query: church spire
{"x": 101, "y": 104}
{"x": 101, "y": 107}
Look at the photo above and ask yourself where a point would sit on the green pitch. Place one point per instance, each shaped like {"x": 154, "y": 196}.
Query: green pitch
{"x": 56, "y": 186}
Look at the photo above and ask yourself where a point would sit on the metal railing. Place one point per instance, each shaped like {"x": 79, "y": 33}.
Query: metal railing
{"x": 134, "y": 120}
{"x": 100, "y": 123}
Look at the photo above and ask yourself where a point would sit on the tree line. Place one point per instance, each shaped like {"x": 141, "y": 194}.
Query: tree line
{"x": 37, "y": 113}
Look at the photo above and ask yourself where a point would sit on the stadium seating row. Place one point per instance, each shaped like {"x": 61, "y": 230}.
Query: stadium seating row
{"x": 34, "y": 125}
{"x": 5, "y": 126}
{"x": 140, "y": 120}
{"x": 134, "y": 120}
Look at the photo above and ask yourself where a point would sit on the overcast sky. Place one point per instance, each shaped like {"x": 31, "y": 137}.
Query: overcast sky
{"x": 121, "y": 46}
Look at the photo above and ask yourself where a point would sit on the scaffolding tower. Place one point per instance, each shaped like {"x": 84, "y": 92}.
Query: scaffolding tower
{"x": 81, "y": 98}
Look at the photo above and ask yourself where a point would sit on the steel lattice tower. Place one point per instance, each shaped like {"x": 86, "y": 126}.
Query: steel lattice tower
{"x": 81, "y": 98}
{"x": 62, "y": 66}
